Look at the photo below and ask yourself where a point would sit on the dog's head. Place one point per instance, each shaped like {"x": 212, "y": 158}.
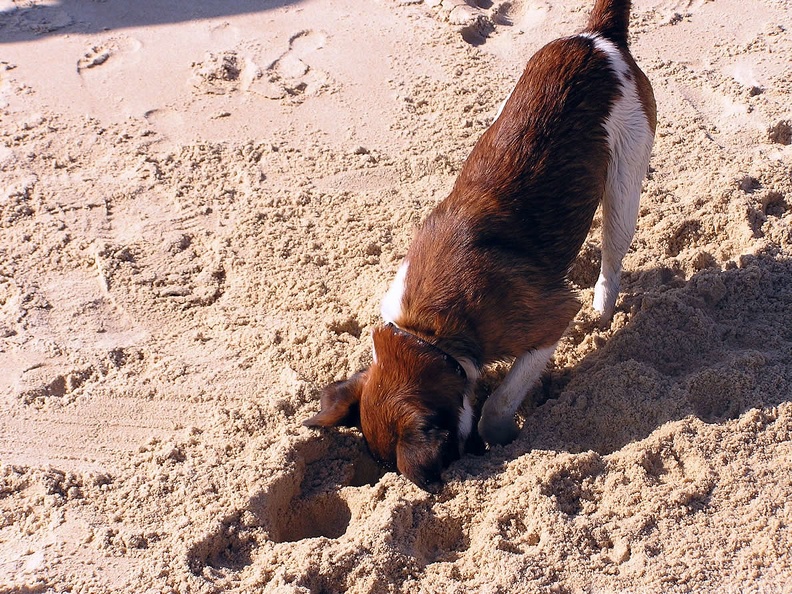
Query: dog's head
{"x": 410, "y": 404}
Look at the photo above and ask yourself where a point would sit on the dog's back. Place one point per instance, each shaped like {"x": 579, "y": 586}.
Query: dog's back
{"x": 531, "y": 185}
{"x": 496, "y": 252}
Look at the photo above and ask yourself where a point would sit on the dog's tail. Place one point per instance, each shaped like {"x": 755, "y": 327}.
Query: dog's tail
{"x": 610, "y": 18}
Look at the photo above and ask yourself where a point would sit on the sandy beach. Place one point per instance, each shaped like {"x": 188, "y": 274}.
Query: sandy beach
{"x": 201, "y": 206}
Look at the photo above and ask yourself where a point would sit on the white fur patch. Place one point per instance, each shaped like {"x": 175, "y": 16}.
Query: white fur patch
{"x": 502, "y": 105}
{"x": 526, "y": 371}
{"x": 391, "y": 308}
{"x": 465, "y": 421}
{"x": 630, "y": 141}
{"x": 612, "y": 50}
{"x": 471, "y": 371}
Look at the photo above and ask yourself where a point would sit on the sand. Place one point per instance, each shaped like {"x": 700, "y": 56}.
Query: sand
{"x": 201, "y": 206}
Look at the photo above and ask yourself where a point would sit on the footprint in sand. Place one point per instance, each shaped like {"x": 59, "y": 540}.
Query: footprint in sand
{"x": 291, "y": 75}
{"x": 475, "y": 19}
{"x": 725, "y": 119}
{"x": 672, "y": 12}
{"x": 222, "y": 72}
{"x": 96, "y": 56}
{"x": 100, "y": 53}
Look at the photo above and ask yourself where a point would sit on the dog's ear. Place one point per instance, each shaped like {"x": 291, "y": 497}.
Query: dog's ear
{"x": 340, "y": 403}
{"x": 420, "y": 455}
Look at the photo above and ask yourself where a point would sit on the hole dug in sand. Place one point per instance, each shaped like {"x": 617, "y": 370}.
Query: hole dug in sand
{"x": 350, "y": 326}
{"x": 515, "y": 536}
{"x": 325, "y": 514}
{"x": 344, "y": 464}
{"x": 320, "y": 507}
{"x": 230, "y": 547}
{"x": 318, "y": 504}
{"x": 722, "y": 392}
{"x": 309, "y": 499}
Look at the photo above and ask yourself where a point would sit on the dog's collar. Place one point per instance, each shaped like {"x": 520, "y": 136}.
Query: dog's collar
{"x": 446, "y": 357}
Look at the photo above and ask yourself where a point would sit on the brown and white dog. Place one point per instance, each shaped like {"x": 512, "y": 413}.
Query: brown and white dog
{"x": 485, "y": 278}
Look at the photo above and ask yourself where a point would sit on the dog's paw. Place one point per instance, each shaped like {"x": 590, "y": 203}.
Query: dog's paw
{"x": 498, "y": 430}
{"x": 605, "y": 295}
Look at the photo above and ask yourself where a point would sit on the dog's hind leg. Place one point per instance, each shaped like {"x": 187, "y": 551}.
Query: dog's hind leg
{"x": 630, "y": 129}
{"x": 619, "y": 217}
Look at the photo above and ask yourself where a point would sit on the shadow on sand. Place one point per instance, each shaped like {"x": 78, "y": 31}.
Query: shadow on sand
{"x": 714, "y": 347}
{"x": 26, "y": 22}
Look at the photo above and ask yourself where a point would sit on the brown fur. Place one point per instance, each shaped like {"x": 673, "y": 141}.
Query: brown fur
{"x": 487, "y": 276}
{"x": 494, "y": 255}
{"x": 407, "y": 409}
{"x": 610, "y": 18}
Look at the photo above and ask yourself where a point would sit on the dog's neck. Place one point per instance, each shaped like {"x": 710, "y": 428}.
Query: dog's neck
{"x": 411, "y": 335}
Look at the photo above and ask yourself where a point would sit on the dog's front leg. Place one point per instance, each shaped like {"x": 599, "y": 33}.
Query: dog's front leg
{"x": 497, "y": 425}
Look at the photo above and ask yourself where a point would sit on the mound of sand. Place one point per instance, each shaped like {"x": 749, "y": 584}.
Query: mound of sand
{"x": 201, "y": 208}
